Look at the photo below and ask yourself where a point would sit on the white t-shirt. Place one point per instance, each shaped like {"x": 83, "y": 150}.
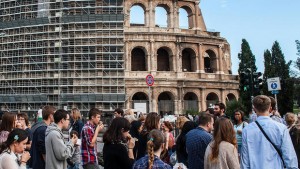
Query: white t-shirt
{"x": 9, "y": 161}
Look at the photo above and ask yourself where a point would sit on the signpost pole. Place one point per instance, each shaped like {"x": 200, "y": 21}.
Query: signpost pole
{"x": 276, "y": 105}
{"x": 150, "y": 102}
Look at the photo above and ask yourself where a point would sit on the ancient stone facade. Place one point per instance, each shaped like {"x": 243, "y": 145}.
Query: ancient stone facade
{"x": 191, "y": 67}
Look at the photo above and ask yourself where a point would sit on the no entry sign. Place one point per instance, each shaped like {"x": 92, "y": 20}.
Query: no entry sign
{"x": 149, "y": 80}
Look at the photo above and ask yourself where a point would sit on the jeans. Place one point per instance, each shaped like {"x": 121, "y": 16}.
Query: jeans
{"x": 76, "y": 166}
{"x": 91, "y": 166}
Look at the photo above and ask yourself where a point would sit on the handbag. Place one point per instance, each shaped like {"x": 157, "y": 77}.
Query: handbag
{"x": 173, "y": 158}
{"x": 264, "y": 133}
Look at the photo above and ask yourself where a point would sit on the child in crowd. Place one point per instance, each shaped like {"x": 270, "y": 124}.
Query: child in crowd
{"x": 74, "y": 161}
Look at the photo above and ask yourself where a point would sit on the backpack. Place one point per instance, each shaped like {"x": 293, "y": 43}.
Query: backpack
{"x": 295, "y": 136}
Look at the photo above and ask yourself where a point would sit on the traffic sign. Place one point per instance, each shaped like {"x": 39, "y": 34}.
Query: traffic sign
{"x": 275, "y": 91}
{"x": 274, "y": 84}
{"x": 149, "y": 80}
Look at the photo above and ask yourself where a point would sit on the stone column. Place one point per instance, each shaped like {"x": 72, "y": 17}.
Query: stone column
{"x": 151, "y": 15}
{"x": 153, "y": 57}
{"x": 203, "y": 99}
{"x": 201, "y": 58}
{"x": 197, "y": 15}
{"x": 179, "y": 57}
{"x": 176, "y": 106}
{"x": 220, "y": 60}
{"x": 127, "y": 56}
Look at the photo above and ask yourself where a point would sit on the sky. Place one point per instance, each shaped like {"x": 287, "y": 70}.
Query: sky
{"x": 260, "y": 22}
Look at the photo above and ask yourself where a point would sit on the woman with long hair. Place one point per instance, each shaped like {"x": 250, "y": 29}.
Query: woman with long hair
{"x": 15, "y": 144}
{"x": 118, "y": 145}
{"x": 221, "y": 153}
{"x": 181, "y": 153}
{"x": 239, "y": 124}
{"x": 167, "y": 128}
{"x": 77, "y": 123}
{"x": 155, "y": 146}
{"x": 135, "y": 130}
{"x": 152, "y": 122}
{"x": 9, "y": 122}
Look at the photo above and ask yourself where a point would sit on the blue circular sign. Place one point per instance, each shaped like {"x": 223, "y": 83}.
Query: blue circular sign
{"x": 274, "y": 85}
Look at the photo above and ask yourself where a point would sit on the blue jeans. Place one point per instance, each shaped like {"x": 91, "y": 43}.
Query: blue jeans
{"x": 76, "y": 166}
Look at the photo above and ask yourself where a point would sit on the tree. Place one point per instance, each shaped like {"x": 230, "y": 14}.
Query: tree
{"x": 247, "y": 62}
{"x": 268, "y": 70}
{"x": 276, "y": 66}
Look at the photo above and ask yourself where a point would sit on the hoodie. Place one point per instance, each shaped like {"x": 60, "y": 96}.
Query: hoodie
{"x": 57, "y": 151}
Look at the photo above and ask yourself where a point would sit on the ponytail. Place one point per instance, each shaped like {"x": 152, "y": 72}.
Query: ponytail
{"x": 150, "y": 153}
{"x": 17, "y": 135}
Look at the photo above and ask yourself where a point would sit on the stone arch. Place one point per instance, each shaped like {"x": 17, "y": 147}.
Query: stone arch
{"x": 190, "y": 100}
{"x": 211, "y": 99}
{"x": 137, "y": 7}
{"x": 140, "y": 101}
{"x": 231, "y": 97}
{"x": 210, "y": 61}
{"x": 190, "y": 15}
{"x": 158, "y": 11}
{"x": 188, "y": 60}
{"x": 166, "y": 103}
{"x": 164, "y": 59}
{"x": 139, "y": 59}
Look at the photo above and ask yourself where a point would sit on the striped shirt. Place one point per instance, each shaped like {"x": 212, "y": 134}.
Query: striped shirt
{"x": 196, "y": 142}
{"x": 88, "y": 153}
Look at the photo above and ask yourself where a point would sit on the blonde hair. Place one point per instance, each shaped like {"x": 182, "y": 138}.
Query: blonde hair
{"x": 156, "y": 139}
{"x": 290, "y": 118}
{"x": 180, "y": 121}
{"x": 76, "y": 114}
{"x": 129, "y": 112}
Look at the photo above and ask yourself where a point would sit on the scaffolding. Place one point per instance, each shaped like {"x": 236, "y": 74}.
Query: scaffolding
{"x": 65, "y": 53}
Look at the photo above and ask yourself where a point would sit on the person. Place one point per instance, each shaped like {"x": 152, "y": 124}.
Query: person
{"x": 118, "y": 145}
{"x": 167, "y": 128}
{"x": 290, "y": 119}
{"x": 129, "y": 115}
{"x": 74, "y": 161}
{"x": 89, "y": 135}
{"x": 198, "y": 139}
{"x": 135, "y": 130}
{"x": 274, "y": 114}
{"x": 257, "y": 151}
{"x": 221, "y": 153}
{"x": 38, "y": 130}
{"x": 155, "y": 146}
{"x": 239, "y": 125}
{"x": 15, "y": 144}
{"x": 57, "y": 151}
{"x": 39, "y": 115}
{"x": 23, "y": 120}
{"x": 77, "y": 124}
{"x": 8, "y": 124}
{"x": 152, "y": 122}
{"x": 294, "y": 131}
{"x": 252, "y": 116}
{"x": 118, "y": 112}
{"x": 219, "y": 110}
{"x": 182, "y": 156}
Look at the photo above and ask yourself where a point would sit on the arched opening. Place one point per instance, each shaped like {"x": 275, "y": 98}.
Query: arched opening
{"x": 190, "y": 101}
{"x": 188, "y": 60}
{"x": 185, "y": 18}
{"x": 231, "y": 97}
{"x": 165, "y": 103}
{"x": 211, "y": 99}
{"x": 210, "y": 62}
{"x": 138, "y": 60}
{"x": 163, "y": 60}
{"x": 137, "y": 15}
{"x": 140, "y": 102}
{"x": 162, "y": 17}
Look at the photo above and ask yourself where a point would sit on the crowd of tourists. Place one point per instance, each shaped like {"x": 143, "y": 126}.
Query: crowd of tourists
{"x": 212, "y": 140}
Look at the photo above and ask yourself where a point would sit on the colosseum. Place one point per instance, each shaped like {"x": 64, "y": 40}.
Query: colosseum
{"x": 87, "y": 53}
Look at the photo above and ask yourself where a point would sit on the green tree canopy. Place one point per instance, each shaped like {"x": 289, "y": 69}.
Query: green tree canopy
{"x": 247, "y": 62}
{"x": 276, "y": 66}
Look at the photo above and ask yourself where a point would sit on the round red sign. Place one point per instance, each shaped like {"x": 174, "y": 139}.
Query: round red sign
{"x": 149, "y": 80}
